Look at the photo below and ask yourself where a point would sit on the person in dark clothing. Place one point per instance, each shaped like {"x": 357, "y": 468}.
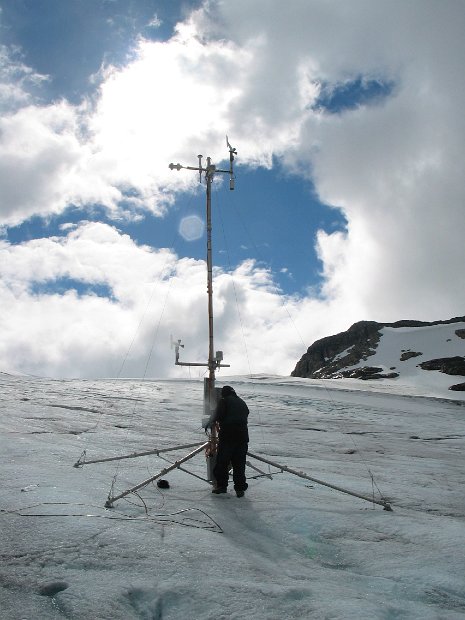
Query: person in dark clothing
{"x": 233, "y": 441}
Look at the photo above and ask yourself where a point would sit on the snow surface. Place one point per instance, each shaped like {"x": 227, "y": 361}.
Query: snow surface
{"x": 289, "y": 549}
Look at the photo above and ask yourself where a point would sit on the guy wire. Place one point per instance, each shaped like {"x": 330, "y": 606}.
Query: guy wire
{"x": 163, "y": 271}
{"x": 264, "y": 443}
{"x": 283, "y": 303}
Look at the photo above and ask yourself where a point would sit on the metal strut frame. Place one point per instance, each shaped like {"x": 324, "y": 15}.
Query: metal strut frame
{"x": 177, "y": 465}
{"x": 81, "y": 461}
{"x": 112, "y": 499}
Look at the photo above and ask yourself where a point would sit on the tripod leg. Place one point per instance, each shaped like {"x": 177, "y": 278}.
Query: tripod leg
{"x": 111, "y": 500}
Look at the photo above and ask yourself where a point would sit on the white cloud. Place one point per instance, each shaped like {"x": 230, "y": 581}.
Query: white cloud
{"x": 154, "y": 295}
{"x": 40, "y": 157}
{"x": 394, "y": 168}
{"x": 173, "y": 99}
{"x": 72, "y": 335}
{"x": 170, "y": 103}
{"x": 16, "y": 80}
{"x": 115, "y": 149}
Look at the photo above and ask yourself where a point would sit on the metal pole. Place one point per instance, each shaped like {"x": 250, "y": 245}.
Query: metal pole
{"x": 111, "y": 500}
{"x": 134, "y": 455}
{"x": 301, "y": 474}
{"x": 211, "y": 348}
{"x": 211, "y": 358}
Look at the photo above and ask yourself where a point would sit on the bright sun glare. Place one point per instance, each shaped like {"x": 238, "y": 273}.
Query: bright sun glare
{"x": 191, "y": 227}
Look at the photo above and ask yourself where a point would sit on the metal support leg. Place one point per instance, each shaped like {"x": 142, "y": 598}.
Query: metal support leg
{"x": 301, "y": 474}
{"x": 133, "y": 455}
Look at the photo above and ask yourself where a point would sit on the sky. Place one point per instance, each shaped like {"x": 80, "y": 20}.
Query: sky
{"x": 348, "y": 123}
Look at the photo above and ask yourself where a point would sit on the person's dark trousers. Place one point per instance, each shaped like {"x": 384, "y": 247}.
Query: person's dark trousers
{"x": 234, "y": 453}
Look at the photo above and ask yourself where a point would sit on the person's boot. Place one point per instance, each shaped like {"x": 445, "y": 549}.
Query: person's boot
{"x": 219, "y": 490}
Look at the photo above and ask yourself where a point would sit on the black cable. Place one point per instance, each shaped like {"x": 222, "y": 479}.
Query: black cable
{"x": 163, "y": 518}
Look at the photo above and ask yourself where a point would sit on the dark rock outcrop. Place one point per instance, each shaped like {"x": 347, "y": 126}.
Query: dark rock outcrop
{"x": 409, "y": 354}
{"x": 448, "y": 365}
{"x": 460, "y": 333}
{"x": 366, "y": 372}
{"x": 408, "y": 323}
{"x": 458, "y": 387}
{"x": 329, "y": 355}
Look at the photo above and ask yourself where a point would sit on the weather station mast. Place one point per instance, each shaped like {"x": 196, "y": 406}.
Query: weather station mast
{"x": 211, "y": 393}
{"x": 215, "y": 358}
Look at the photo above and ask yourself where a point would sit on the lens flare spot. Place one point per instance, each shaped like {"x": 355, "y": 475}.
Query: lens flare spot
{"x": 191, "y": 227}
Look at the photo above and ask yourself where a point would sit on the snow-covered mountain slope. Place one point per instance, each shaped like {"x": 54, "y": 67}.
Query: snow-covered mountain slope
{"x": 409, "y": 354}
{"x": 289, "y": 549}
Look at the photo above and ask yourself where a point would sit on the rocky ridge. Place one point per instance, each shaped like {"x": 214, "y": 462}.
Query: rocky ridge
{"x": 343, "y": 355}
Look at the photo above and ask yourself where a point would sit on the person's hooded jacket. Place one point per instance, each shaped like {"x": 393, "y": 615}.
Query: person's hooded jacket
{"x": 232, "y": 414}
